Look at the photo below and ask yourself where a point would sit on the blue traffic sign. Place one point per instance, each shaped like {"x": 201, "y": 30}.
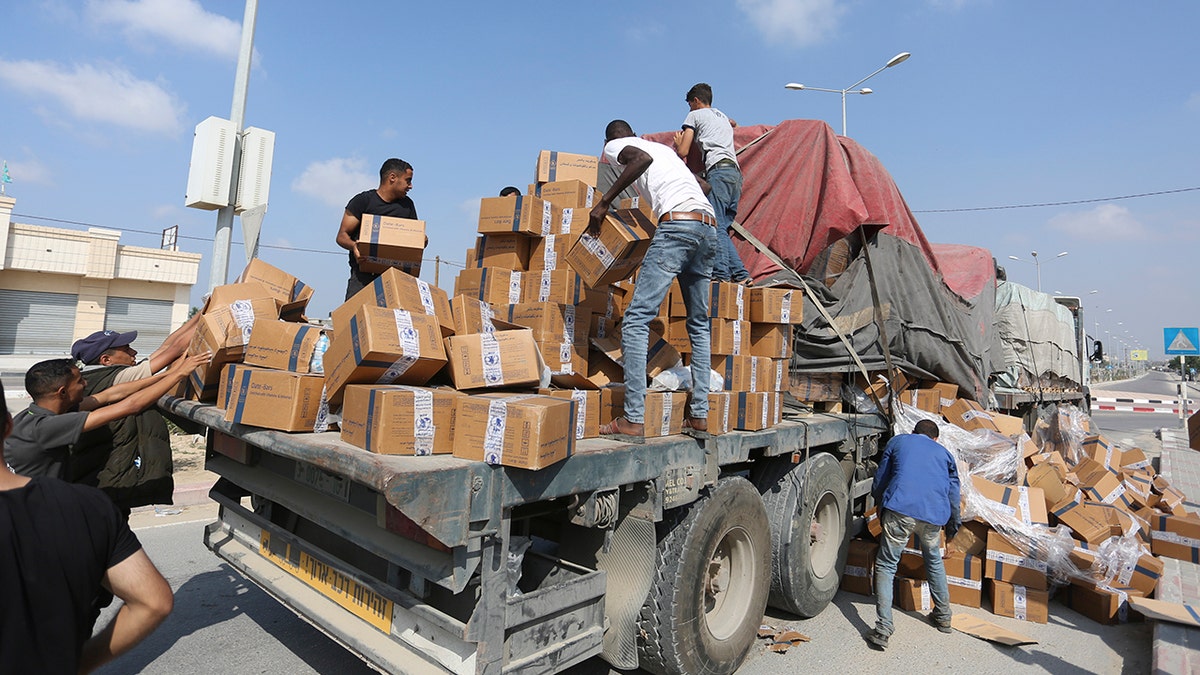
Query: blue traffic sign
{"x": 1181, "y": 341}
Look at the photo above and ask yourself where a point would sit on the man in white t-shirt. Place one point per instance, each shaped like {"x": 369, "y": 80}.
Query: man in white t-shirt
{"x": 713, "y": 132}
{"x": 683, "y": 247}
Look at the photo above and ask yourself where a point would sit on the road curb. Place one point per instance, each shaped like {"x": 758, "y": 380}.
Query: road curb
{"x": 194, "y": 494}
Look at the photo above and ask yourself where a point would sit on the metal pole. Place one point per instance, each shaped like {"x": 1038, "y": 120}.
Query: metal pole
{"x": 843, "y": 112}
{"x": 437, "y": 270}
{"x": 241, "y": 84}
{"x": 1183, "y": 392}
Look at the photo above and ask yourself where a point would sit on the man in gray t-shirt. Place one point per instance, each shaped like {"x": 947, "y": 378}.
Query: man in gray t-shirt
{"x": 710, "y": 129}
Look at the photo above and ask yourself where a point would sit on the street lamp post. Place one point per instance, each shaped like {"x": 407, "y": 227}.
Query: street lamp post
{"x": 1036, "y": 263}
{"x": 895, "y": 60}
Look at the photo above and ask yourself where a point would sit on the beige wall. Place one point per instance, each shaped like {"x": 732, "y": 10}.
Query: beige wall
{"x": 93, "y": 265}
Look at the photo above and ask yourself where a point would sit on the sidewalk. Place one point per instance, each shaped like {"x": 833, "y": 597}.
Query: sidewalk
{"x": 1176, "y": 648}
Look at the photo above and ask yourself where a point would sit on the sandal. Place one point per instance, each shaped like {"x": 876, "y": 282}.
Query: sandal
{"x": 612, "y": 431}
{"x": 690, "y": 430}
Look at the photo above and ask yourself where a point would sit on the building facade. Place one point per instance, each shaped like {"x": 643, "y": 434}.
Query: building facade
{"x": 58, "y": 285}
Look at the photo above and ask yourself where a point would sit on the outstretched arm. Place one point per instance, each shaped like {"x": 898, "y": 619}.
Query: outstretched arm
{"x": 175, "y": 344}
{"x": 635, "y": 161}
{"x": 148, "y": 600}
{"x": 144, "y": 397}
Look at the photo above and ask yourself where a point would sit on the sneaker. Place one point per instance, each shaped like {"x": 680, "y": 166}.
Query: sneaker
{"x": 878, "y": 639}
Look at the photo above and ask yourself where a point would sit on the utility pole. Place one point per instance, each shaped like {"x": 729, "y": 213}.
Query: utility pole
{"x": 241, "y": 85}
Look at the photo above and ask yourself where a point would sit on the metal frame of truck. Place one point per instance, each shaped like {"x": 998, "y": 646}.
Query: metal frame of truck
{"x": 405, "y": 560}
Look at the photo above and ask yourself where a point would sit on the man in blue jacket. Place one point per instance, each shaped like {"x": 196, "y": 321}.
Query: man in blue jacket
{"x": 917, "y": 490}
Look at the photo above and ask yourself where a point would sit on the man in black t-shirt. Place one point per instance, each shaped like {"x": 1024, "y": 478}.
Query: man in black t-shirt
{"x": 389, "y": 199}
{"x": 61, "y": 547}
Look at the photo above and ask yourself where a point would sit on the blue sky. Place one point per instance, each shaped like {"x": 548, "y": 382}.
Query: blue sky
{"x": 1001, "y": 104}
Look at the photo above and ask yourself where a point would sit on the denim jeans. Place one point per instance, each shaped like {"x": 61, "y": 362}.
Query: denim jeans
{"x": 683, "y": 249}
{"x": 726, "y": 182}
{"x": 897, "y": 528}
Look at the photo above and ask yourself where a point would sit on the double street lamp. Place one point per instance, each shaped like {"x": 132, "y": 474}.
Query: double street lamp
{"x": 1036, "y": 263}
{"x": 895, "y": 60}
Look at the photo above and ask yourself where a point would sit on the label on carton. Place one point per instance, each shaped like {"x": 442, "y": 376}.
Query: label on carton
{"x": 778, "y": 378}
{"x": 564, "y": 359}
{"x": 426, "y": 297}
{"x": 1019, "y": 561}
{"x": 785, "y": 308}
{"x": 855, "y": 571}
{"x": 321, "y": 424}
{"x": 972, "y": 584}
{"x": 737, "y": 336}
{"x": 1113, "y": 496}
{"x": 547, "y": 218}
{"x": 766, "y": 409}
{"x": 568, "y": 214}
{"x": 926, "y": 605}
{"x": 1020, "y": 603}
{"x": 549, "y": 257}
{"x": 725, "y": 411}
{"x": 410, "y": 342}
{"x": 544, "y": 286}
{"x": 975, "y": 414}
{"x": 423, "y": 428}
{"x": 485, "y": 317}
{"x": 569, "y": 324}
{"x": 753, "y": 374}
{"x": 1023, "y": 500}
{"x": 493, "y": 437}
{"x": 668, "y": 404}
{"x": 514, "y": 287}
{"x": 580, "y": 398}
{"x": 493, "y": 371}
{"x": 740, "y": 302}
{"x": 597, "y": 249}
{"x": 1175, "y": 538}
{"x": 242, "y": 312}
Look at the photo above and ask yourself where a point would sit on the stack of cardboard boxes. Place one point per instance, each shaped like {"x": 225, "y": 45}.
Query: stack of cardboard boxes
{"x": 412, "y": 370}
{"x": 1118, "y": 513}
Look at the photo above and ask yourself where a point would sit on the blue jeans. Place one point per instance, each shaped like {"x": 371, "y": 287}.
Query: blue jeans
{"x": 726, "y": 182}
{"x": 683, "y": 249}
{"x": 897, "y": 528}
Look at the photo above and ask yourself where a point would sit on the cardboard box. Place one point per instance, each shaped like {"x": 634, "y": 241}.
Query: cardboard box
{"x": 507, "y": 251}
{"x": 592, "y": 408}
{"x": 227, "y": 294}
{"x": 771, "y": 340}
{"x": 506, "y": 358}
{"x": 518, "y": 214}
{"x": 810, "y": 387}
{"x": 1104, "y": 604}
{"x": 969, "y": 415}
{"x": 567, "y": 363}
{"x": 1008, "y": 425}
{"x": 224, "y": 330}
{"x": 638, "y": 204}
{"x": 971, "y": 539}
{"x": 561, "y": 285}
{"x": 745, "y": 373}
{"x": 553, "y": 166}
{"x": 912, "y": 560}
{"x": 385, "y": 242}
{"x": 472, "y": 315}
{"x": 859, "y": 574}
{"x": 1048, "y": 478}
{"x": 551, "y": 321}
{"x": 524, "y": 431}
{"x": 913, "y": 595}
{"x": 398, "y": 290}
{"x": 272, "y": 399}
{"x": 1020, "y": 602}
{"x": 664, "y": 413}
{"x": 727, "y": 300}
{"x": 948, "y": 392}
{"x": 727, "y": 337}
{"x": 677, "y": 334}
{"x": 1086, "y": 523}
{"x": 928, "y": 400}
{"x": 1134, "y": 459}
{"x": 1101, "y": 450}
{"x": 755, "y": 411}
{"x": 776, "y": 305}
{"x": 603, "y": 371}
{"x": 383, "y": 346}
{"x": 1026, "y": 504}
{"x": 399, "y": 420}
{"x": 1099, "y": 483}
{"x": 721, "y": 412}
{"x": 1175, "y": 537}
{"x": 1005, "y": 562}
{"x": 493, "y": 285}
{"x": 964, "y": 577}
{"x": 569, "y": 194}
{"x": 550, "y": 252}
{"x": 660, "y": 355}
{"x": 282, "y": 345}
{"x": 612, "y": 255}
{"x": 291, "y": 294}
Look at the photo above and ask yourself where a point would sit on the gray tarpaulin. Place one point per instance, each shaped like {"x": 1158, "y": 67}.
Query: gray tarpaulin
{"x": 1038, "y": 339}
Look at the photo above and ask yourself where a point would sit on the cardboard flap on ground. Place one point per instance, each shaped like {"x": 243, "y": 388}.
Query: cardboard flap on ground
{"x": 1161, "y": 610}
{"x": 986, "y": 630}
{"x": 385, "y": 242}
{"x": 291, "y": 294}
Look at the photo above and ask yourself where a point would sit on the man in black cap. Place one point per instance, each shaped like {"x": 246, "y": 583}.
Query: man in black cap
{"x": 129, "y": 457}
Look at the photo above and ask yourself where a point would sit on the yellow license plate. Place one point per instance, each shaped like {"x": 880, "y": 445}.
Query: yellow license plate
{"x": 359, "y": 600}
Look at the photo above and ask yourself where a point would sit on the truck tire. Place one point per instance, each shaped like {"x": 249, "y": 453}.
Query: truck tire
{"x": 809, "y": 526}
{"x": 710, "y": 590}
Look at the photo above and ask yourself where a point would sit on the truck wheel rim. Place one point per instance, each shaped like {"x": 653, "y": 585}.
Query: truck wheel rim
{"x": 825, "y": 535}
{"x": 729, "y": 583}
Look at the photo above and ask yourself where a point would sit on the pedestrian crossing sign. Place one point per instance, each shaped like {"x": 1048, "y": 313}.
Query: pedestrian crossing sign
{"x": 1181, "y": 341}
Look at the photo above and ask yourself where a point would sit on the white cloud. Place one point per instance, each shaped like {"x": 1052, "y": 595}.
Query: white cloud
{"x": 164, "y": 211}
{"x": 335, "y": 181}
{"x": 98, "y": 93}
{"x": 183, "y": 23}
{"x": 1107, "y": 221}
{"x": 796, "y": 22}
{"x": 1193, "y": 102}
